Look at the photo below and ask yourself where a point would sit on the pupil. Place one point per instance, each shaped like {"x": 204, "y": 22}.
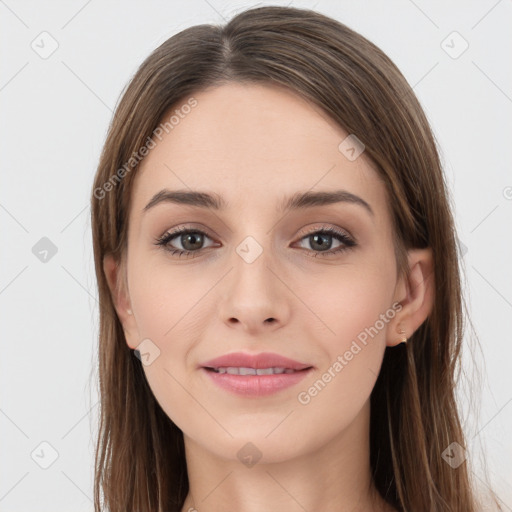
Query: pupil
{"x": 321, "y": 246}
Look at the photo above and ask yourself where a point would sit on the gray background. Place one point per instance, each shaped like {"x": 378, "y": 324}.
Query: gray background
{"x": 55, "y": 110}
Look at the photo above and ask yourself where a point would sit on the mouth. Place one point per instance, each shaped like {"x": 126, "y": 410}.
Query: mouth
{"x": 248, "y": 382}
{"x": 254, "y": 375}
{"x": 234, "y": 370}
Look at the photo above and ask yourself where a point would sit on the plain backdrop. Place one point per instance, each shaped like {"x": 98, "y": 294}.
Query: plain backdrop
{"x": 63, "y": 67}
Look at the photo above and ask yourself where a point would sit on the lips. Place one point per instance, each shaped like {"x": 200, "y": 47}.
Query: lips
{"x": 255, "y": 375}
{"x": 246, "y": 362}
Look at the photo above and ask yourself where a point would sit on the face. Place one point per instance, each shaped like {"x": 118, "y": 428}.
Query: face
{"x": 314, "y": 282}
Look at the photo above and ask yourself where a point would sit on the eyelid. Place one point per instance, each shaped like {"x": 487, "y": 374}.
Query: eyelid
{"x": 328, "y": 227}
{"x": 190, "y": 227}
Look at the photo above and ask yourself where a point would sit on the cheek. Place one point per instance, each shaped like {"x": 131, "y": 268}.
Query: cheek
{"x": 349, "y": 301}
{"x": 173, "y": 306}
{"x": 166, "y": 298}
{"x": 354, "y": 311}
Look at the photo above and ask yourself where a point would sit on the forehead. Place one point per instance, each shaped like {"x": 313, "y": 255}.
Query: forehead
{"x": 253, "y": 143}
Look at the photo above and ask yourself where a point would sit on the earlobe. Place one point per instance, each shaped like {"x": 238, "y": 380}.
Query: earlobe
{"x": 417, "y": 298}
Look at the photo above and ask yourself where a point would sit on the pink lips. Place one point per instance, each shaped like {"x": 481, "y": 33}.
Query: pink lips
{"x": 255, "y": 385}
{"x": 263, "y": 360}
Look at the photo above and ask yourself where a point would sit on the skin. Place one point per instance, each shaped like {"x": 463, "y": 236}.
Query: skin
{"x": 255, "y": 145}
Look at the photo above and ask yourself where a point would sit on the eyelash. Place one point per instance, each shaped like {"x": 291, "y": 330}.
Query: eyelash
{"x": 164, "y": 240}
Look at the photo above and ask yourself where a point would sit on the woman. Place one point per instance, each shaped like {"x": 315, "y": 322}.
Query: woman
{"x": 276, "y": 259}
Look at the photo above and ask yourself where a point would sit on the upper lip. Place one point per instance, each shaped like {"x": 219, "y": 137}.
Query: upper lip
{"x": 257, "y": 361}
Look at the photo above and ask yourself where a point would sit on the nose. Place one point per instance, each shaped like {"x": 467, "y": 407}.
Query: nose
{"x": 254, "y": 296}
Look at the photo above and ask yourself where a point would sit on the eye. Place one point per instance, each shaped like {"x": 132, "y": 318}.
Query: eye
{"x": 320, "y": 240}
{"x": 191, "y": 241}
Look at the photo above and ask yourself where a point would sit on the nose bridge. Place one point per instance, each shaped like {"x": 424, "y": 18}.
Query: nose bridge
{"x": 252, "y": 261}
{"x": 253, "y": 252}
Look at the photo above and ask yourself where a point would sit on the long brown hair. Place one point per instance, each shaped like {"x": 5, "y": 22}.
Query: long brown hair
{"x": 140, "y": 459}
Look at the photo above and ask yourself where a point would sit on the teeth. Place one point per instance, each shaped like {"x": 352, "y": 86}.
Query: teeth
{"x": 253, "y": 371}
{"x": 242, "y": 371}
{"x": 267, "y": 371}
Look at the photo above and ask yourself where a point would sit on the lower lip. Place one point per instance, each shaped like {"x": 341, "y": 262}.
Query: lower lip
{"x": 256, "y": 385}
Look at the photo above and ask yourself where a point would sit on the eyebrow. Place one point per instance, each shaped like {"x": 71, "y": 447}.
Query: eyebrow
{"x": 297, "y": 201}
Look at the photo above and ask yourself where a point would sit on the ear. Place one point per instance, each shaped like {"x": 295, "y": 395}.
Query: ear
{"x": 116, "y": 279}
{"x": 416, "y": 295}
